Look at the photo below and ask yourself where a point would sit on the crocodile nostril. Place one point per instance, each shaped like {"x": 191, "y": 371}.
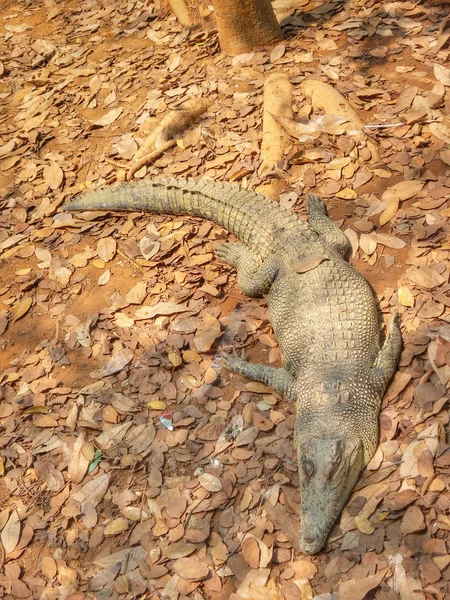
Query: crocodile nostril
{"x": 309, "y": 539}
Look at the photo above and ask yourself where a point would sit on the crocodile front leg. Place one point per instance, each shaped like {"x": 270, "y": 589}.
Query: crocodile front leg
{"x": 277, "y": 378}
{"x": 324, "y": 226}
{"x": 387, "y": 359}
{"x": 254, "y": 277}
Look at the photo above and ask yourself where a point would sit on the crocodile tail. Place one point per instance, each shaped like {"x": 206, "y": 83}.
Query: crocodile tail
{"x": 253, "y": 218}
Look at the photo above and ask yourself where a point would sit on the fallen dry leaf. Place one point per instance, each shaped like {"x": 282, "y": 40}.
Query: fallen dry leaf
{"x": 10, "y": 534}
{"x": 412, "y": 520}
{"x": 405, "y": 296}
{"x": 309, "y": 263}
{"x": 357, "y": 589}
{"x": 191, "y": 568}
{"x": 256, "y": 553}
{"x": 162, "y": 308}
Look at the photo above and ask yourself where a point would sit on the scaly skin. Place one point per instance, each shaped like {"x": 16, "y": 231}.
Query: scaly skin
{"x": 325, "y": 320}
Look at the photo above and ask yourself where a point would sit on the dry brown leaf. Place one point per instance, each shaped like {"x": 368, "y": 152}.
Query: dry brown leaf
{"x": 364, "y": 525}
{"x": 390, "y": 211}
{"x": 12, "y": 240}
{"x": 353, "y": 237}
{"x": 116, "y": 526}
{"x": 108, "y": 118}
{"x": 191, "y": 569}
{"x": 190, "y": 356}
{"x": 277, "y": 52}
{"x": 116, "y": 363}
{"x": 256, "y": 553}
{"x": 123, "y": 320}
{"x": 48, "y": 567}
{"x": 78, "y": 463}
{"x": 210, "y": 482}
{"x": 19, "y": 589}
{"x": 93, "y": 491}
{"x": 412, "y": 521}
{"x": 347, "y": 194}
{"x": 405, "y": 296}
{"x": 357, "y": 589}
{"x": 179, "y": 549}
{"x": 256, "y": 580}
{"x": 104, "y": 277}
{"x": 207, "y": 333}
{"x": 106, "y": 248}
{"x": 411, "y": 589}
{"x": 90, "y": 516}
{"x": 444, "y": 154}
{"x": 258, "y": 388}
{"x": 442, "y": 74}
{"x": 304, "y": 568}
{"x": 137, "y": 293}
{"x": 309, "y": 263}
{"x": 367, "y": 244}
{"x": 162, "y": 308}
{"x": 390, "y": 241}
{"x": 106, "y": 576}
{"x": 53, "y": 175}
{"x": 441, "y": 131}
{"x": 10, "y": 534}
{"x": 149, "y": 247}
{"x": 20, "y": 309}
{"x": 425, "y": 277}
{"x": 403, "y": 190}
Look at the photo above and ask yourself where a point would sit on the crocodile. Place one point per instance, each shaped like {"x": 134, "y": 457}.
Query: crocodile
{"x": 323, "y": 314}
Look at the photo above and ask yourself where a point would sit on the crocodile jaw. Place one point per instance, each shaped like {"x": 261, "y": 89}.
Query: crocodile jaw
{"x": 329, "y": 467}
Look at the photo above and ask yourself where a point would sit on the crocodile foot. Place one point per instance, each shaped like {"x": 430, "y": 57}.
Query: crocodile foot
{"x": 229, "y": 253}
{"x": 233, "y": 361}
{"x": 316, "y": 205}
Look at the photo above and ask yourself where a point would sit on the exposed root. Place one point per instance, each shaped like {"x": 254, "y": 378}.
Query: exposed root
{"x": 278, "y": 102}
{"x": 183, "y": 13}
{"x": 327, "y": 98}
{"x": 163, "y": 135}
{"x": 149, "y": 158}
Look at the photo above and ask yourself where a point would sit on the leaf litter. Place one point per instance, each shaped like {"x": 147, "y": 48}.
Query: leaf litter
{"x": 131, "y": 464}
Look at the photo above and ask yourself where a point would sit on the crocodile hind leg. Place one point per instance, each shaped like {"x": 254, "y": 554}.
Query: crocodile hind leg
{"x": 277, "y": 378}
{"x": 387, "y": 359}
{"x": 326, "y": 227}
{"x": 254, "y": 277}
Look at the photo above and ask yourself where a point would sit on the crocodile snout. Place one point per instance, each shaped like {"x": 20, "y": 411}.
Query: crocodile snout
{"x": 311, "y": 543}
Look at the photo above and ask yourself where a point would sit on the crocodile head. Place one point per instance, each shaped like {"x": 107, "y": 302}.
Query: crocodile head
{"x": 329, "y": 467}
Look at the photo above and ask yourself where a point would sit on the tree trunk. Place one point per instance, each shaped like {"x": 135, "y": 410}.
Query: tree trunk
{"x": 244, "y": 24}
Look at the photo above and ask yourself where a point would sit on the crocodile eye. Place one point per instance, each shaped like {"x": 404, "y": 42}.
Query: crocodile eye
{"x": 308, "y": 467}
{"x": 335, "y": 460}
{"x": 331, "y": 468}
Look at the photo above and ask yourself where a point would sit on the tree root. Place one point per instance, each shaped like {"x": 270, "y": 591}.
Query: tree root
{"x": 149, "y": 158}
{"x": 327, "y": 98}
{"x": 278, "y": 102}
{"x": 183, "y": 13}
{"x": 163, "y": 136}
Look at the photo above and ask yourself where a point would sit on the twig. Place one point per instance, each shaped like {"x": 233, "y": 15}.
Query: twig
{"x": 380, "y": 126}
{"x": 114, "y": 163}
{"x": 130, "y": 259}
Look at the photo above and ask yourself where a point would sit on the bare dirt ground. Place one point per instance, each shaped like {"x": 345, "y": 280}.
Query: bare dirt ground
{"x": 132, "y": 465}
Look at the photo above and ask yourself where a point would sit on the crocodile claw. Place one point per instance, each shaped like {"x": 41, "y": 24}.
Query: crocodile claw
{"x": 227, "y": 252}
{"x": 234, "y": 361}
{"x": 315, "y": 204}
